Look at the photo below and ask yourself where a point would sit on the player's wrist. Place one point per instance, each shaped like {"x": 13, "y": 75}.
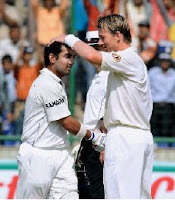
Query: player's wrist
{"x": 92, "y": 136}
{"x": 82, "y": 132}
{"x": 70, "y": 40}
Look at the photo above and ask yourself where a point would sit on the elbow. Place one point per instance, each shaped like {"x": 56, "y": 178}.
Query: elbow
{"x": 69, "y": 127}
{"x": 66, "y": 126}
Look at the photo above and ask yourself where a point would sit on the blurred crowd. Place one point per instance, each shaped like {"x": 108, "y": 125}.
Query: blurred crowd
{"x": 26, "y": 26}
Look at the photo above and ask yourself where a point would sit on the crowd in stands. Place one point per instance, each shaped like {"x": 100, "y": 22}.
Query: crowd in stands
{"x": 26, "y": 26}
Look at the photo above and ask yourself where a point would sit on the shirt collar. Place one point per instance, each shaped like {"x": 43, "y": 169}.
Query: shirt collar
{"x": 50, "y": 73}
{"x": 131, "y": 49}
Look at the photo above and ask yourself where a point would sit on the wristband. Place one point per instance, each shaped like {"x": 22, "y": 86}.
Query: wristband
{"x": 70, "y": 40}
{"x": 82, "y": 132}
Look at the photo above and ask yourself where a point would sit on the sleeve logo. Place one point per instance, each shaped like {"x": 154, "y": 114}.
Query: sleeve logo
{"x": 116, "y": 57}
{"x": 56, "y": 102}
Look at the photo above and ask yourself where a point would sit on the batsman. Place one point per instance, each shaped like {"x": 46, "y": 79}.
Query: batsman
{"x": 45, "y": 163}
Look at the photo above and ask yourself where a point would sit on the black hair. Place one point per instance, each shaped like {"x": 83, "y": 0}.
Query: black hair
{"x": 55, "y": 48}
{"x": 7, "y": 57}
{"x": 14, "y": 26}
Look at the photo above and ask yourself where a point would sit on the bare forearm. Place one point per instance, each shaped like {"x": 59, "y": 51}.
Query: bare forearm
{"x": 73, "y": 126}
{"x": 87, "y": 52}
{"x": 84, "y": 50}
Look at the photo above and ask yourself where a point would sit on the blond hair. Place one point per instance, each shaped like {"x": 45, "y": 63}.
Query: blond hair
{"x": 114, "y": 23}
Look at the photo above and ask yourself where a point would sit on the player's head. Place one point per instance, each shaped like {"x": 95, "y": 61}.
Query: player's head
{"x": 113, "y": 29}
{"x": 59, "y": 58}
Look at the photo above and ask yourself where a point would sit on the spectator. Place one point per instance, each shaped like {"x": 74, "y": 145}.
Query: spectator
{"x": 10, "y": 81}
{"x": 162, "y": 81}
{"x": 8, "y": 17}
{"x": 159, "y": 27}
{"x": 8, "y": 94}
{"x": 112, "y": 6}
{"x": 137, "y": 11}
{"x": 93, "y": 12}
{"x": 145, "y": 45}
{"x": 49, "y": 19}
{"x": 25, "y": 74}
{"x": 11, "y": 45}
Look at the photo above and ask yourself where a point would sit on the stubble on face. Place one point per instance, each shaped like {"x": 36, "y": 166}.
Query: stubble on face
{"x": 65, "y": 62}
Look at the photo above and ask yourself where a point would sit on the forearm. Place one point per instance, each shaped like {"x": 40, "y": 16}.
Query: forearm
{"x": 84, "y": 50}
{"x": 35, "y": 6}
{"x": 62, "y": 7}
{"x": 74, "y": 127}
{"x": 87, "y": 52}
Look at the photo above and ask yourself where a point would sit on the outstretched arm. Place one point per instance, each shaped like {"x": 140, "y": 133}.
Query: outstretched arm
{"x": 35, "y": 5}
{"x": 78, "y": 129}
{"x": 63, "y": 6}
{"x": 82, "y": 49}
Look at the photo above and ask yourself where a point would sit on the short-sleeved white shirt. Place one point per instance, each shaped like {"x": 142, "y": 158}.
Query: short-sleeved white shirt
{"x": 95, "y": 100}
{"x": 45, "y": 104}
{"x": 128, "y": 98}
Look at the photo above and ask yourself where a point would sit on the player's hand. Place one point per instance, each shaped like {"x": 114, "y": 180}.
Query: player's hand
{"x": 98, "y": 140}
{"x": 59, "y": 38}
{"x": 102, "y": 155}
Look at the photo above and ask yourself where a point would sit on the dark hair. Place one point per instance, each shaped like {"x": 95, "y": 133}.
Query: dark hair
{"x": 14, "y": 26}
{"x": 114, "y": 23}
{"x": 6, "y": 57}
{"x": 55, "y": 48}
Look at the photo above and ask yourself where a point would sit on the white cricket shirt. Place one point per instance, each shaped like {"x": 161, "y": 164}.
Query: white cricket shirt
{"x": 128, "y": 97}
{"x": 95, "y": 100}
{"x": 45, "y": 104}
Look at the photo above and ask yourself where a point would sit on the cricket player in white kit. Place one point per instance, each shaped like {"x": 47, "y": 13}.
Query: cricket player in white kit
{"x": 91, "y": 159}
{"x": 129, "y": 142}
{"x": 44, "y": 160}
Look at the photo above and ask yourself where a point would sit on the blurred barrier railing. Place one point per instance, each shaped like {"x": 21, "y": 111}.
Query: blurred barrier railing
{"x": 73, "y": 139}
{"x": 164, "y": 139}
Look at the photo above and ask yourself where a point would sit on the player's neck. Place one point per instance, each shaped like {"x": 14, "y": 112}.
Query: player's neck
{"x": 122, "y": 46}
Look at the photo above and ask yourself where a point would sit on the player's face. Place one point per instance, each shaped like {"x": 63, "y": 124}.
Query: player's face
{"x": 65, "y": 61}
{"x": 108, "y": 39}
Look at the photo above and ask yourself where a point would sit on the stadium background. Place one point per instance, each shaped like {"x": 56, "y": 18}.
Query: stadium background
{"x": 79, "y": 16}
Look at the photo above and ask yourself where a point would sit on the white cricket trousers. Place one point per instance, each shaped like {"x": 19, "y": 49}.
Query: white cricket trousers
{"x": 45, "y": 174}
{"x": 128, "y": 163}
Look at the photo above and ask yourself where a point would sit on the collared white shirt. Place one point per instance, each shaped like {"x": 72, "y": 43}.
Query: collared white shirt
{"x": 95, "y": 100}
{"x": 128, "y": 98}
{"x": 45, "y": 104}
{"x": 162, "y": 85}
{"x": 7, "y": 47}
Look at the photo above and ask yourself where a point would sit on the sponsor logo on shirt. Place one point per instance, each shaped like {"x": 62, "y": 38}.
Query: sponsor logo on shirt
{"x": 56, "y": 102}
{"x": 116, "y": 57}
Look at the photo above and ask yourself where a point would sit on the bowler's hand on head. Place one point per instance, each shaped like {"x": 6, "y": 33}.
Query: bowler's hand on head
{"x": 59, "y": 38}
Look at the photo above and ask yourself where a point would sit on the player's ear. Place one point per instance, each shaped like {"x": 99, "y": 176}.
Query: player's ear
{"x": 52, "y": 58}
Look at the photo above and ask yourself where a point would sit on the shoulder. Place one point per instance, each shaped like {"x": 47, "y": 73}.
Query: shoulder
{"x": 5, "y": 41}
{"x": 172, "y": 70}
{"x": 45, "y": 81}
{"x": 154, "y": 69}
